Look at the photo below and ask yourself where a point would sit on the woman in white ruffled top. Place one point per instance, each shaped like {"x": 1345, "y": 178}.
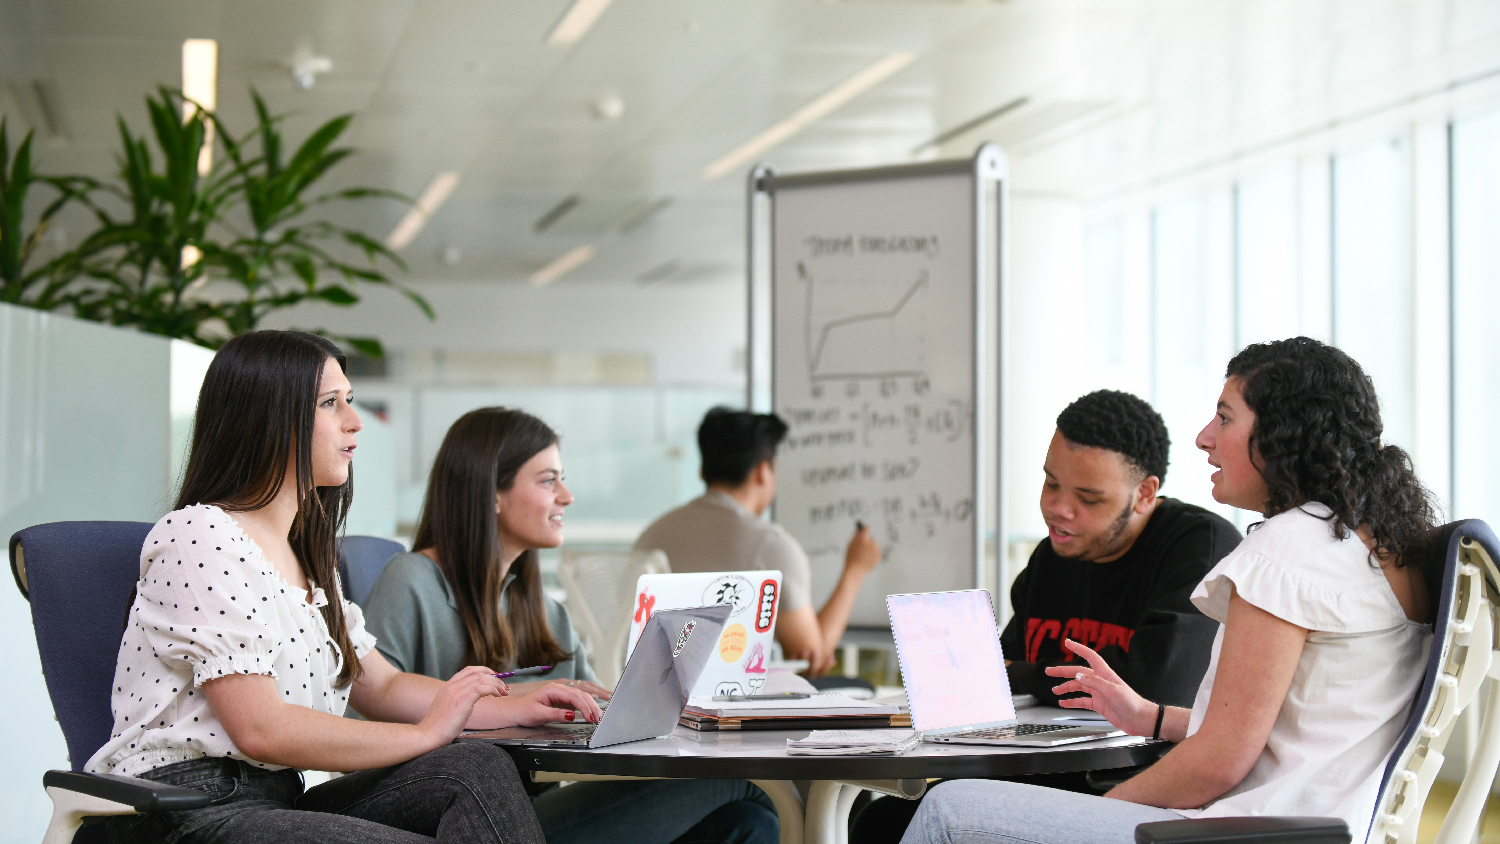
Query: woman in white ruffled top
{"x": 1324, "y": 627}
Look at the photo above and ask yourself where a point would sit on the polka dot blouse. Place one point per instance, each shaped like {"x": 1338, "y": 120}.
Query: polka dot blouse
{"x": 209, "y": 605}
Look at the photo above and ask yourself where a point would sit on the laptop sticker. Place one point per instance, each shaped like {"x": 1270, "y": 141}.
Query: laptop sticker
{"x": 765, "y": 614}
{"x": 732, "y": 643}
{"x": 728, "y": 689}
{"x": 731, "y": 589}
{"x": 644, "y": 602}
{"x": 682, "y": 638}
{"x": 755, "y": 663}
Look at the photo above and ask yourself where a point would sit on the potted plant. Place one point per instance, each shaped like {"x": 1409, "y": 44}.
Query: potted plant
{"x": 38, "y": 287}
{"x": 147, "y": 267}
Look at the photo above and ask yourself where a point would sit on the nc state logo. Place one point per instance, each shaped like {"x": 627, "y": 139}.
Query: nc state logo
{"x": 766, "y": 613}
{"x": 682, "y": 638}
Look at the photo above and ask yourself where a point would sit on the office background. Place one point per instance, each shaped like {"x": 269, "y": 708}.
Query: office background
{"x": 1187, "y": 177}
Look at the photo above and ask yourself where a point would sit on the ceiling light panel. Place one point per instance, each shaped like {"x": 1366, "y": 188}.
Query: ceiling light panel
{"x": 437, "y": 192}
{"x": 819, "y": 107}
{"x": 576, "y": 22}
{"x": 563, "y": 265}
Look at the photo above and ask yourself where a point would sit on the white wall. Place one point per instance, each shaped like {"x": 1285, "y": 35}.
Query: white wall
{"x": 694, "y": 333}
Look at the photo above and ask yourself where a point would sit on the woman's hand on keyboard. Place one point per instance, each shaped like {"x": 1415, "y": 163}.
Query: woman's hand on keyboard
{"x": 1108, "y": 695}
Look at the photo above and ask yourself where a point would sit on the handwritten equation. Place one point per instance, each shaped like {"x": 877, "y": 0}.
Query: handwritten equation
{"x": 912, "y": 422}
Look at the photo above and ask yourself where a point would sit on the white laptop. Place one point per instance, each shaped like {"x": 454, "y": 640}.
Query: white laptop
{"x": 955, "y": 676}
{"x": 739, "y": 664}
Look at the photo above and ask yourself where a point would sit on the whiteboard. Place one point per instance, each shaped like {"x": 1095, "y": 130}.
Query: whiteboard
{"x": 874, "y": 297}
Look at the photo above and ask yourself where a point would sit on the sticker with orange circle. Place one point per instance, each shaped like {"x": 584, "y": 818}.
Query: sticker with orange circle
{"x": 732, "y": 643}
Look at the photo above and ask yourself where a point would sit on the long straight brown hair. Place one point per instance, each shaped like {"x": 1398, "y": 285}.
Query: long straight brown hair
{"x": 481, "y": 455}
{"x": 255, "y": 411}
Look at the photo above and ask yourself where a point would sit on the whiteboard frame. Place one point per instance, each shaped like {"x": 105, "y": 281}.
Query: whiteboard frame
{"x": 989, "y": 166}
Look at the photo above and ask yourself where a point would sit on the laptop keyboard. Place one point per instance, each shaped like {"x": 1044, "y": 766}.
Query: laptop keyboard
{"x": 1013, "y": 732}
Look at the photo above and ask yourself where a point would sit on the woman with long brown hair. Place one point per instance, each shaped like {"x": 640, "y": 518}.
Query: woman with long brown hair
{"x": 239, "y": 656}
{"x": 472, "y": 593}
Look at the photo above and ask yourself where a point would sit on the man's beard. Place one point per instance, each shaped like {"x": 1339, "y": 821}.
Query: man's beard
{"x": 1108, "y": 543}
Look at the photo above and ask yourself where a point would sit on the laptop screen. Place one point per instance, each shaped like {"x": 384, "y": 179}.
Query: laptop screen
{"x": 950, "y": 659}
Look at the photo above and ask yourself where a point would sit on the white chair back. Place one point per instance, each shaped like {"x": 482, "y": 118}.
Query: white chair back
{"x": 600, "y": 587}
{"x": 1463, "y": 659}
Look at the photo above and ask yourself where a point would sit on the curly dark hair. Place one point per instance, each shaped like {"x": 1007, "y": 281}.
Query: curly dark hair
{"x": 1122, "y": 423}
{"x": 1317, "y": 438}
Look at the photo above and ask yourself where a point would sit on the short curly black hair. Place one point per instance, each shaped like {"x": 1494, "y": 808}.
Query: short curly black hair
{"x": 1122, "y": 423}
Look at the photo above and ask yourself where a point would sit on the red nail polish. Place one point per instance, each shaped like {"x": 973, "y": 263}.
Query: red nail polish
{"x": 568, "y": 717}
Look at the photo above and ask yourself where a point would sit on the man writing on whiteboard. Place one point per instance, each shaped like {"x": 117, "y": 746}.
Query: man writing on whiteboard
{"x": 723, "y": 531}
{"x": 1119, "y": 560}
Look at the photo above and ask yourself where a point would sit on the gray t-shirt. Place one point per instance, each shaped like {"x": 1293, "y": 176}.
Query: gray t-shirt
{"x": 419, "y": 629}
{"x": 717, "y": 533}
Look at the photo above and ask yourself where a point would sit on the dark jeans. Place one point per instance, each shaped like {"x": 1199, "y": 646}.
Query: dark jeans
{"x": 658, "y": 812}
{"x": 459, "y": 793}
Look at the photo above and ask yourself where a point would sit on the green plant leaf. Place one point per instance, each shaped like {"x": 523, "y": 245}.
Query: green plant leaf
{"x": 370, "y": 347}
{"x": 337, "y": 295}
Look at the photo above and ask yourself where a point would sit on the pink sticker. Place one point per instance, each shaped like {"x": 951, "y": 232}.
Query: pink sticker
{"x": 755, "y": 663}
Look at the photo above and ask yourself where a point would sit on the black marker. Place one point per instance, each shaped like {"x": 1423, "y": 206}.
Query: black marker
{"x": 858, "y": 525}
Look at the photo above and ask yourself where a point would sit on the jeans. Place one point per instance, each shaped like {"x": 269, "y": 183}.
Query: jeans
{"x": 991, "y": 812}
{"x": 458, "y": 793}
{"x": 658, "y": 812}
{"x": 885, "y": 819}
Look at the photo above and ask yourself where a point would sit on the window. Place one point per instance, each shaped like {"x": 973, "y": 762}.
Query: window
{"x": 1266, "y": 258}
{"x": 1372, "y": 274}
{"x": 1476, "y": 316}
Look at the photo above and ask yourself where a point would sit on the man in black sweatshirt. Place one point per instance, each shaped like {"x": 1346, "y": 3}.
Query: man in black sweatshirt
{"x": 1119, "y": 560}
{"x": 1114, "y": 573}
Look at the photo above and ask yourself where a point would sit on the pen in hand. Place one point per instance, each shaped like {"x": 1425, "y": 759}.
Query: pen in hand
{"x": 522, "y": 672}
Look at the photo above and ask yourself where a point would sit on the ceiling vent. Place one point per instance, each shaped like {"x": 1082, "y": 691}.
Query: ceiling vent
{"x": 560, "y": 210}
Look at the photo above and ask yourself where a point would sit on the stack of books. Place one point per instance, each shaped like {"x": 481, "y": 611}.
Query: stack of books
{"x": 817, "y": 712}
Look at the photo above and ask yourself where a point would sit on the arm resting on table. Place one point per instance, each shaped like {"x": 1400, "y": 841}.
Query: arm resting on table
{"x": 1253, "y": 830}
{"x": 142, "y": 795}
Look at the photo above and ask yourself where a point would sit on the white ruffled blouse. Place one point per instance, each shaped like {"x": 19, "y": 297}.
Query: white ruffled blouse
{"x": 1355, "y": 682}
{"x": 208, "y": 604}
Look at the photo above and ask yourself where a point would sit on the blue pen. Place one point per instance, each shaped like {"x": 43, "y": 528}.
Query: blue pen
{"x": 521, "y": 672}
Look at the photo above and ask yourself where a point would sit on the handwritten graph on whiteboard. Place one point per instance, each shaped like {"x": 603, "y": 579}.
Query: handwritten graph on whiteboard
{"x": 873, "y": 368}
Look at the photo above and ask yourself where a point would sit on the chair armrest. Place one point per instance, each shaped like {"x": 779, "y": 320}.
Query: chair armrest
{"x": 1252, "y": 830}
{"x": 142, "y": 795}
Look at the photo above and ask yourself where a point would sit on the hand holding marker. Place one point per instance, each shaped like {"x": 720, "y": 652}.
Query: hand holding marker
{"x": 525, "y": 672}
{"x": 522, "y": 672}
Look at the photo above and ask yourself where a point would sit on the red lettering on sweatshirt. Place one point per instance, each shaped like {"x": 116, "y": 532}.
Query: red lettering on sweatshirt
{"x": 1087, "y": 631}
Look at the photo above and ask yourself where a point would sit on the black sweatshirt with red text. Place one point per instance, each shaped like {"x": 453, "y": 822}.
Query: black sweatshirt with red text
{"x": 1134, "y": 610}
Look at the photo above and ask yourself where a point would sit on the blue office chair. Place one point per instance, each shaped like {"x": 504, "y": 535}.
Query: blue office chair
{"x": 79, "y": 578}
{"x": 1465, "y": 588}
{"x": 361, "y": 559}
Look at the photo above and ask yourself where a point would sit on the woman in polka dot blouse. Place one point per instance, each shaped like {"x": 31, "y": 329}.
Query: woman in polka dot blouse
{"x": 239, "y": 655}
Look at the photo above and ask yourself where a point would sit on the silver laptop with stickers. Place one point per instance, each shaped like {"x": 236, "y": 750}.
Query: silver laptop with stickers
{"x": 955, "y": 676}
{"x": 652, "y": 692}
